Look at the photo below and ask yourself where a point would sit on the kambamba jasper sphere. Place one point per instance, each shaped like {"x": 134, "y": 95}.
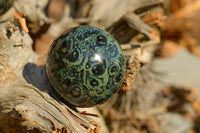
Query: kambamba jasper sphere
{"x": 86, "y": 66}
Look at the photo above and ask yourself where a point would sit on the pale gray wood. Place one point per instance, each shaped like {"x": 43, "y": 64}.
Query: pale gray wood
{"x": 24, "y": 107}
{"x": 181, "y": 69}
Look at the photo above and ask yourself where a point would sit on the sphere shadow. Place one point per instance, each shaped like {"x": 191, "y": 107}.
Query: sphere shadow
{"x": 36, "y": 75}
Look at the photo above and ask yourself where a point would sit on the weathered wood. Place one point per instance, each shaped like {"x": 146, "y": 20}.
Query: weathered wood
{"x": 30, "y": 105}
{"x": 22, "y": 106}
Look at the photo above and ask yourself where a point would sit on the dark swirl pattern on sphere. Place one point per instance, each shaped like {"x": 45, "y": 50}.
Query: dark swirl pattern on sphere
{"x": 86, "y": 66}
{"x": 5, "y": 5}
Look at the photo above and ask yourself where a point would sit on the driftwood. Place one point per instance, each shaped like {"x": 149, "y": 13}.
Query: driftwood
{"x": 27, "y": 101}
{"x": 24, "y": 107}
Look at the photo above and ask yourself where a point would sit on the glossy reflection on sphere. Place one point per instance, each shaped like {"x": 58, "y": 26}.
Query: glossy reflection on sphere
{"x": 86, "y": 66}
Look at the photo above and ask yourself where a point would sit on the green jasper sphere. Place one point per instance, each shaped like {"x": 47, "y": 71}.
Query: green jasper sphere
{"x": 86, "y": 66}
{"x": 5, "y": 5}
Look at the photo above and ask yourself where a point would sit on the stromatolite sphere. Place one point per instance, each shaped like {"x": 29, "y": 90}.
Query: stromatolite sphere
{"x": 86, "y": 66}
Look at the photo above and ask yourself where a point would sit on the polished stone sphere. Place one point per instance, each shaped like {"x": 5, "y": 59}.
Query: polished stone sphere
{"x": 86, "y": 66}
